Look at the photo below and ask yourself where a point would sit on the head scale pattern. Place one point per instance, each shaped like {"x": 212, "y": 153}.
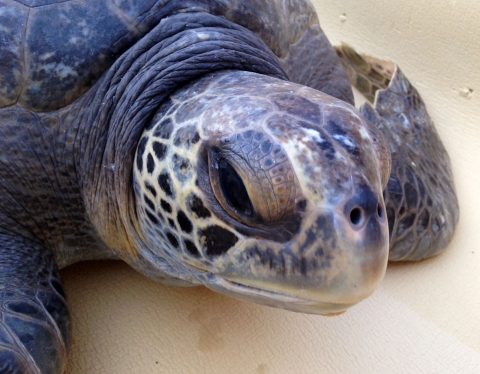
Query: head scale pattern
{"x": 234, "y": 190}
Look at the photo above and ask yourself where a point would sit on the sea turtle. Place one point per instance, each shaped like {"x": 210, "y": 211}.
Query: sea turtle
{"x": 203, "y": 142}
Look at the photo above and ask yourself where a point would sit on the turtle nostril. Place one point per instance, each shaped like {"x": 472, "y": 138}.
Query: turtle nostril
{"x": 356, "y": 216}
{"x": 379, "y": 210}
{"x": 363, "y": 206}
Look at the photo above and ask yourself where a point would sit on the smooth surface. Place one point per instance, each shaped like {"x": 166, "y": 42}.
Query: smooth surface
{"x": 425, "y": 318}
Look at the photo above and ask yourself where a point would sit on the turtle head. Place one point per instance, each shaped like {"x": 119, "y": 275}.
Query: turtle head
{"x": 266, "y": 191}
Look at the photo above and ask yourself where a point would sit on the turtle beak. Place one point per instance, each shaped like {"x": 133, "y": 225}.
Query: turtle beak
{"x": 339, "y": 259}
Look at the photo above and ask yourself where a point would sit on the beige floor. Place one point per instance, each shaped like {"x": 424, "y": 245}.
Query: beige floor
{"x": 425, "y": 318}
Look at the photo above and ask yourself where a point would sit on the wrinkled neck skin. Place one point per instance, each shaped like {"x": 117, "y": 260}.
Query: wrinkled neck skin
{"x": 307, "y": 233}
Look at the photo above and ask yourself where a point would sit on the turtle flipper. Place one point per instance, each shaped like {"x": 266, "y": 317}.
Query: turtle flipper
{"x": 366, "y": 73}
{"x": 421, "y": 203}
{"x": 34, "y": 318}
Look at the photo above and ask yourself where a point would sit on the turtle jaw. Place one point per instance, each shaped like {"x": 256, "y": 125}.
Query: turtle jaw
{"x": 272, "y": 298}
{"x": 329, "y": 267}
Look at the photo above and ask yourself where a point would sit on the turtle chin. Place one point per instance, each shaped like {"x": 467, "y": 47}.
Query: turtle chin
{"x": 328, "y": 267}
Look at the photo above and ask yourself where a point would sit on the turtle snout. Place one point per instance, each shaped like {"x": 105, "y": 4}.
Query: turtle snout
{"x": 364, "y": 208}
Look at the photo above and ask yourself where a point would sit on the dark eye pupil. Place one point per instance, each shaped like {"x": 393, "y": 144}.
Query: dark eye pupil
{"x": 233, "y": 189}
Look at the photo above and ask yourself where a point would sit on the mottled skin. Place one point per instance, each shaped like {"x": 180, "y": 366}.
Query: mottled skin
{"x": 167, "y": 134}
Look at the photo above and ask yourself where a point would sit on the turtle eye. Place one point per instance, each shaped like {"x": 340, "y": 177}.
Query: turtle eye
{"x": 233, "y": 189}
{"x": 228, "y": 187}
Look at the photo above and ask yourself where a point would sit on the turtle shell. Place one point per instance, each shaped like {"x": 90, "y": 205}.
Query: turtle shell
{"x": 52, "y": 51}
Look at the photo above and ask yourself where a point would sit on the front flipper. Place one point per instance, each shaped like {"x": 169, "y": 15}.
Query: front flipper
{"x": 420, "y": 199}
{"x": 34, "y": 319}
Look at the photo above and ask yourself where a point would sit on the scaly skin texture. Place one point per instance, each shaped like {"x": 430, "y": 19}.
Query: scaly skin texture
{"x": 125, "y": 127}
{"x": 307, "y": 161}
{"x": 34, "y": 318}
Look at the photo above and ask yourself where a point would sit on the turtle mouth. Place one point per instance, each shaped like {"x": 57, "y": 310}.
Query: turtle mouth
{"x": 254, "y": 291}
{"x": 274, "y": 299}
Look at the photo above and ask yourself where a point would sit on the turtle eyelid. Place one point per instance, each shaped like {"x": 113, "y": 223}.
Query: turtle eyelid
{"x": 229, "y": 188}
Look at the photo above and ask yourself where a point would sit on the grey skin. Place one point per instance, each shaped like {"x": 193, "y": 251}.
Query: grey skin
{"x": 202, "y": 142}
